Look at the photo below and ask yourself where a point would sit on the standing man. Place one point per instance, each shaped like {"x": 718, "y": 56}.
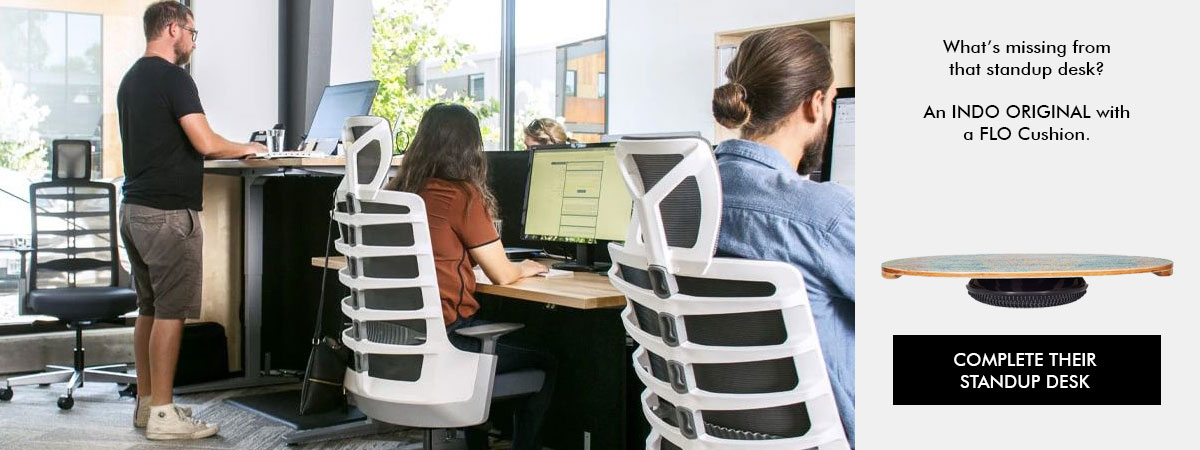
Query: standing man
{"x": 166, "y": 138}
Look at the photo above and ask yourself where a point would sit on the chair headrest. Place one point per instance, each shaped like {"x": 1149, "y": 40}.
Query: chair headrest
{"x": 368, "y": 147}
{"x": 677, "y": 199}
{"x": 71, "y": 159}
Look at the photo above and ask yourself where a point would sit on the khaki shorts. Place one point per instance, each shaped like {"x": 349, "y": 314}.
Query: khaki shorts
{"x": 165, "y": 249}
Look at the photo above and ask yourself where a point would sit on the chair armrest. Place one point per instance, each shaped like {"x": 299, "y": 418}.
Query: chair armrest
{"x": 489, "y": 333}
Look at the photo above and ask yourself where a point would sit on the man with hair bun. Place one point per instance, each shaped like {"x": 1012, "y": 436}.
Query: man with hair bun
{"x": 780, "y": 98}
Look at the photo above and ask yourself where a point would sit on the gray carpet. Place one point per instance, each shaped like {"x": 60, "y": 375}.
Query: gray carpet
{"x": 101, "y": 419}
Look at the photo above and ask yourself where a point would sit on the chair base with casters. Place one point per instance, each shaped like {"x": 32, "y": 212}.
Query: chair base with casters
{"x": 73, "y": 376}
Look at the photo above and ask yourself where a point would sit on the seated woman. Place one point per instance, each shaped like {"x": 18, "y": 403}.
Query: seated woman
{"x": 446, "y": 166}
{"x": 546, "y": 132}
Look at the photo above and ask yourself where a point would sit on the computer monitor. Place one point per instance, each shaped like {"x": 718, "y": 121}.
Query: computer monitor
{"x": 838, "y": 165}
{"x": 576, "y": 195}
{"x": 337, "y": 103}
{"x": 504, "y": 168}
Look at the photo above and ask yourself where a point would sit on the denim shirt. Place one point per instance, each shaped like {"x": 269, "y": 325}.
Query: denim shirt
{"x": 773, "y": 213}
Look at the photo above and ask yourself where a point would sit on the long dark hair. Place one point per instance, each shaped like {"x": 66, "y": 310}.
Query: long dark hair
{"x": 447, "y": 146}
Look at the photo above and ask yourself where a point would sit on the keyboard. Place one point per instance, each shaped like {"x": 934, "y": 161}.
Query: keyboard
{"x": 293, "y": 154}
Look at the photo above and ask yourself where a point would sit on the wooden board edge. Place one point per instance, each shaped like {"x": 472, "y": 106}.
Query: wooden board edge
{"x": 1167, "y": 269}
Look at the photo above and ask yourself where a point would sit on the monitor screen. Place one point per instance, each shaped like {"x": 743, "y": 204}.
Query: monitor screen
{"x": 838, "y": 166}
{"x": 338, "y": 103}
{"x": 576, "y": 195}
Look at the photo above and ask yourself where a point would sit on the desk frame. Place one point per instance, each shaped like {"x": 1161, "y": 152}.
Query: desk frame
{"x": 254, "y": 174}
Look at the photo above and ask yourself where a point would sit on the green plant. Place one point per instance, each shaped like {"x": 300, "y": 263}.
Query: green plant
{"x": 21, "y": 147}
{"x": 404, "y": 37}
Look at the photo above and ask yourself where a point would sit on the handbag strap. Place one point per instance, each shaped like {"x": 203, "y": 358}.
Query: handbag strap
{"x": 324, "y": 274}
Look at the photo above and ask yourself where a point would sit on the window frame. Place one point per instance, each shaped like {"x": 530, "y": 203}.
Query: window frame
{"x": 508, "y": 113}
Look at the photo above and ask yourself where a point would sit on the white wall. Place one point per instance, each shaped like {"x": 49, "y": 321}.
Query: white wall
{"x": 350, "y": 55}
{"x": 661, "y": 68}
{"x": 236, "y": 65}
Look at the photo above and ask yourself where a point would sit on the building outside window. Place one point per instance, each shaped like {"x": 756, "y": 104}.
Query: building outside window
{"x": 465, "y": 65}
{"x": 583, "y": 106}
{"x": 552, "y": 38}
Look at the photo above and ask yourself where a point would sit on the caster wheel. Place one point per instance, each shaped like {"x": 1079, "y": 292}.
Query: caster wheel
{"x": 65, "y": 402}
{"x": 6, "y": 394}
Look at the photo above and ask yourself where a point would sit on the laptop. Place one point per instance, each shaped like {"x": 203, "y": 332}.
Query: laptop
{"x": 325, "y": 131}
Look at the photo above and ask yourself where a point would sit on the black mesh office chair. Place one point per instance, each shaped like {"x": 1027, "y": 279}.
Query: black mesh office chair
{"x": 728, "y": 349}
{"x": 74, "y": 264}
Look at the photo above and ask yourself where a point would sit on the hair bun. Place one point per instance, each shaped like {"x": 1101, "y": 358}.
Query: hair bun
{"x": 730, "y": 106}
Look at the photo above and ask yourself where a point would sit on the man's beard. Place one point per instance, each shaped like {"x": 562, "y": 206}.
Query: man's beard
{"x": 181, "y": 57}
{"x": 813, "y": 153}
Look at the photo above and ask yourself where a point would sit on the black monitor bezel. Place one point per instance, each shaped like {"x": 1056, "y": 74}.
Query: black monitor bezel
{"x": 529, "y": 180}
{"x": 313, "y": 119}
{"x": 827, "y": 153}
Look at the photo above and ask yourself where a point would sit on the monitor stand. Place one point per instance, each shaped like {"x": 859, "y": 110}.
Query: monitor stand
{"x": 585, "y": 261}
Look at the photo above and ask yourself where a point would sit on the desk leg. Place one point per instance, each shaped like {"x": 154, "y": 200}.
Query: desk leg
{"x": 252, "y": 303}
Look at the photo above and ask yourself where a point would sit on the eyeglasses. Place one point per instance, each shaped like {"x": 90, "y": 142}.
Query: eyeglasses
{"x": 195, "y": 33}
{"x": 535, "y": 127}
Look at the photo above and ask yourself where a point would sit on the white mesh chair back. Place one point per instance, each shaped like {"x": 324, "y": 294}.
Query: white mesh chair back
{"x": 405, "y": 370}
{"x": 728, "y": 348}
{"x": 74, "y": 233}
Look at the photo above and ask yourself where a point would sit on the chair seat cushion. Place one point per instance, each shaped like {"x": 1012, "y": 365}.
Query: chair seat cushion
{"x": 513, "y": 384}
{"x": 83, "y": 303}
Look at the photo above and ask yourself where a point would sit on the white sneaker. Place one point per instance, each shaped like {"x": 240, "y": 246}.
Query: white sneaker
{"x": 141, "y": 415}
{"x": 168, "y": 422}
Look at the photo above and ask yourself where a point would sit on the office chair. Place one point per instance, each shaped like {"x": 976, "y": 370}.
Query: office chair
{"x": 73, "y": 274}
{"x": 405, "y": 370}
{"x": 728, "y": 348}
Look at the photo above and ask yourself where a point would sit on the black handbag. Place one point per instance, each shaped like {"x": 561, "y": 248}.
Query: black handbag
{"x": 322, "y": 390}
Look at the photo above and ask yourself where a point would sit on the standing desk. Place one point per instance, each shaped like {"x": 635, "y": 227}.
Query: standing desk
{"x": 254, "y": 173}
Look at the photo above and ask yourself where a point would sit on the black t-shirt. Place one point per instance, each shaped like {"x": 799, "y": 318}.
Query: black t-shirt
{"x": 162, "y": 169}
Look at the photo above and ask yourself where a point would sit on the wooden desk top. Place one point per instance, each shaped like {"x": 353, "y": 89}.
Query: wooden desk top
{"x": 263, "y": 163}
{"x": 1025, "y": 266}
{"x": 580, "y": 291}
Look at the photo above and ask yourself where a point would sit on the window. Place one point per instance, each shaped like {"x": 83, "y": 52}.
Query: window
{"x": 430, "y": 51}
{"x": 560, "y": 53}
{"x": 475, "y": 87}
{"x": 569, "y": 83}
{"x": 60, "y": 66}
{"x": 54, "y": 58}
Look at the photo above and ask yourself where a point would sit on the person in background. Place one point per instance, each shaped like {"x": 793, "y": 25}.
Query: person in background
{"x": 545, "y": 132}
{"x": 780, "y": 96}
{"x": 165, "y": 137}
{"x": 446, "y": 166}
